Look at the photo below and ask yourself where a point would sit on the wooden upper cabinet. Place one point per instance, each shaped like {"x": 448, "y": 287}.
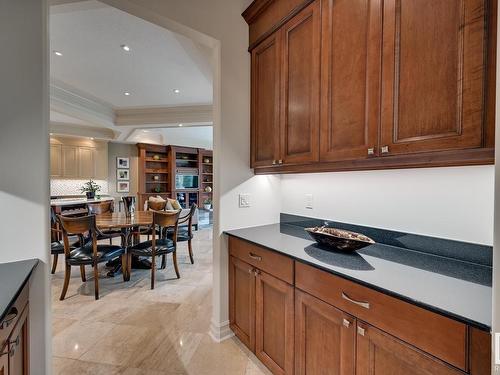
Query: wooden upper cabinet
{"x": 55, "y": 160}
{"x": 433, "y": 75}
{"x": 300, "y": 87}
{"x": 265, "y": 102}
{"x": 380, "y": 353}
{"x": 350, "y": 78}
{"x": 87, "y": 164}
{"x": 325, "y": 338}
{"x": 70, "y": 166}
{"x": 274, "y": 323}
{"x": 242, "y": 301}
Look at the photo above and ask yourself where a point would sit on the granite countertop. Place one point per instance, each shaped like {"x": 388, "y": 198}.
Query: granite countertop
{"x": 454, "y": 288}
{"x": 13, "y": 278}
{"x": 72, "y": 201}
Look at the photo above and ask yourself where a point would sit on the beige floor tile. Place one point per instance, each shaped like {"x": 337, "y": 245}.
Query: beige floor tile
{"x": 65, "y": 366}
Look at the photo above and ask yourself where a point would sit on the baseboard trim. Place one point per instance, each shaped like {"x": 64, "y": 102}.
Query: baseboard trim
{"x": 220, "y": 331}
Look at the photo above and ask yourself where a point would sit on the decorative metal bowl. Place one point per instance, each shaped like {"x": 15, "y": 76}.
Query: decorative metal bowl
{"x": 339, "y": 239}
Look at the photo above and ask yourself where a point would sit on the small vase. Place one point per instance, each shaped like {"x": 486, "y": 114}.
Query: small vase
{"x": 90, "y": 194}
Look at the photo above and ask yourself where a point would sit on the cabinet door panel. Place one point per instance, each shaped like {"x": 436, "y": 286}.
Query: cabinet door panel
{"x": 242, "y": 301}
{"x": 350, "y": 78}
{"x": 265, "y": 102}
{"x": 86, "y": 162}
{"x": 69, "y": 161}
{"x": 55, "y": 161}
{"x": 434, "y": 68}
{"x": 301, "y": 86}
{"x": 274, "y": 323}
{"x": 4, "y": 364}
{"x": 324, "y": 338}
{"x": 380, "y": 353}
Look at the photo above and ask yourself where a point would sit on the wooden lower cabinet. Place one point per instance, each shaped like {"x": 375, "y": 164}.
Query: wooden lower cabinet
{"x": 4, "y": 363}
{"x": 274, "y": 323}
{"x": 242, "y": 301}
{"x": 381, "y": 353}
{"x": 18, "y": 347}
{"x": 325, "y": 338}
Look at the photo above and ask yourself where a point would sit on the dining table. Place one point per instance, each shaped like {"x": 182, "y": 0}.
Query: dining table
{"x": 126, "y": 223}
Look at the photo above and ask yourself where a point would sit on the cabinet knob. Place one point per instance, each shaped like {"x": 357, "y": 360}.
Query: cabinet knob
{"x": 384, "y": 149}
{"x": 274, "y": 162}
{"x": 256, "y": 272}
{"x": 254, "y": 256}
{"x": 346, "y": 323}
{"x": 371, "y": 151}
{"x": 280, "y": 161}
{"x": 361, "y": 331}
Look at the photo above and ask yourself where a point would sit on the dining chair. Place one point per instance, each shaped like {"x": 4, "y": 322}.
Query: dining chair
{"x": 129, "y": 204}
{"x": 98, "y": 208}
{"x": 155, "y": 205}
{"x": 56, "y": 241}
{"x": 185, "y": 231}
{"x": 90, "y": 253}
{"x": 162, "y": 220}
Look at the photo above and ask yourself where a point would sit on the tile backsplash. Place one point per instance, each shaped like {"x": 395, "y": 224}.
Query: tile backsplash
{"x": 61, "y": 187}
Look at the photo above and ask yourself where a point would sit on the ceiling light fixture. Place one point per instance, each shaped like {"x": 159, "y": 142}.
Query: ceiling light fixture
{"x": 57, "y": 53}
{"x": 91, "y": 138}
{"x": 177, "y": 91}
{"x": 126, "y": 93}
{"x": 180, "y": 124}
{"x": 125, "y": 48}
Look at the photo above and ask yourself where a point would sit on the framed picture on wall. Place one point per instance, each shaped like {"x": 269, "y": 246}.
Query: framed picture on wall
{"x": 122, "y": 163}
{"x": 122, "y": 174}
{"x": 122, "y": 187}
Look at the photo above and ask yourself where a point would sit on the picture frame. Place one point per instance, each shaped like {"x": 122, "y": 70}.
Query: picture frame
{"x": 122, "y": 174}
{"x": 122, "y": 186}
{"x": 122, "y": 163}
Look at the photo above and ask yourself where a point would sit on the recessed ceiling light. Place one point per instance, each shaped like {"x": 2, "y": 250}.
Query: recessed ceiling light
{"x": 125, "y": 47}
{"x": 57, "y": 53}
{"x": 177, "y": 91}
{"x": 51, "y": 134}
{"x": 126, "y": 93}
{"x": 180, "y": 124}
{"x": 145, "y": 131}
{"x": 91, "y": 138}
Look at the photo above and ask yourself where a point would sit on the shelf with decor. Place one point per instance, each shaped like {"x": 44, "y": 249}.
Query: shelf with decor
{"x": 206, "y": 175}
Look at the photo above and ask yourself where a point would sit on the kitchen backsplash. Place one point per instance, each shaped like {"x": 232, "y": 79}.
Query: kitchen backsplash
{"x": 60, "y": 187}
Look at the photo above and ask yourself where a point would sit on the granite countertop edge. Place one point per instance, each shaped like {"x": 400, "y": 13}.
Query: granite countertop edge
{"x": 444, "y": 312}
{"x": 4, "y": 310}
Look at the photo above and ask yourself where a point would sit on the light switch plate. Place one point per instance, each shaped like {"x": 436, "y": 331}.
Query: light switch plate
{"x": 309, "y": 201}
{"x": 244, "y": 200}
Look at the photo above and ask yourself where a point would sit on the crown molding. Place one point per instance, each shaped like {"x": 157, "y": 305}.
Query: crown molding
{"x": 70, "y": 101}
{"x": 61, "y": 128}
{"x": 198, "y": 114}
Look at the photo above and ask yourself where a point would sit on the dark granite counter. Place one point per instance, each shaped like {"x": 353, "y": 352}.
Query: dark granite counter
{"x": 13, "y": 278}
{"x": 456, "y": 288}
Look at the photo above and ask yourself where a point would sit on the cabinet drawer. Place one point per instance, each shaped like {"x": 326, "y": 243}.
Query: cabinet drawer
{"x": 275, "y": 264}
{"x": 9, "y": 322}
{"x": 433, "y": 333}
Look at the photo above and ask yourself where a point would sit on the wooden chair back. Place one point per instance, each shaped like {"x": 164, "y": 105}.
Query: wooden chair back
{"x": 189, "y": 218}
{"x": 97, "y": 208}
{"x": 79, "y": 226}
{"x": 156, "y": 206}
{"x": 128, "y": 204}
{"x": 164, "y": 220}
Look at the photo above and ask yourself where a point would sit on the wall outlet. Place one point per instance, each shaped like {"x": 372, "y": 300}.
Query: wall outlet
{"x": 309, "y": 201}
{"x": 244, "y": 200}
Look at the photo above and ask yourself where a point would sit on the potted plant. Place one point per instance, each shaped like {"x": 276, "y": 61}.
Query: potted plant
{"x": 207, "y": 204}
{"x": 90, "y": 188}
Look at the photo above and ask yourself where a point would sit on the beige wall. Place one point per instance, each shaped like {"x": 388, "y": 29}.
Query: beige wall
{"x": 24, "y": 159}
{"x": 128, "y": 151}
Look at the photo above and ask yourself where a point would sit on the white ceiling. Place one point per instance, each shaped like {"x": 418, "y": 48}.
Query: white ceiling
{"x": 89, "y": 35}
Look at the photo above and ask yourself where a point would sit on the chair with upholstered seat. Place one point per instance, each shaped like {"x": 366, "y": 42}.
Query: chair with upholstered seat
{"x": 185, "y": 231}
{"x": 162, "y": 220}
{"x": 90, "y": 253}
{"x": 98, "y": 208}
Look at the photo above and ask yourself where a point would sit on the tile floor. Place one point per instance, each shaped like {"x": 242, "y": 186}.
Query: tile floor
{"x": 133, "y": 330}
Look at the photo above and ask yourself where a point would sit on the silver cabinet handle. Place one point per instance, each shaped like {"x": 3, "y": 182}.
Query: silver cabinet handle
{"x": 280, "y": 161}
{"x": 9, "y": 318}
{"x": 250, "y": 270}
{"x": 274, "y": 162}
{"x": 366, "y": 305}
{"x": 361, "y": 331}
{"x": 371, "y": 151}
{"x": 384, "y": 149}
{"x": 346, "y": 323}
{"x": 255, "y": 257}
{"x": 256, "y": 272}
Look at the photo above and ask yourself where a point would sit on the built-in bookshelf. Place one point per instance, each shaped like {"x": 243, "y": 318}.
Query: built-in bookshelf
{"x": 183, "y": 173}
